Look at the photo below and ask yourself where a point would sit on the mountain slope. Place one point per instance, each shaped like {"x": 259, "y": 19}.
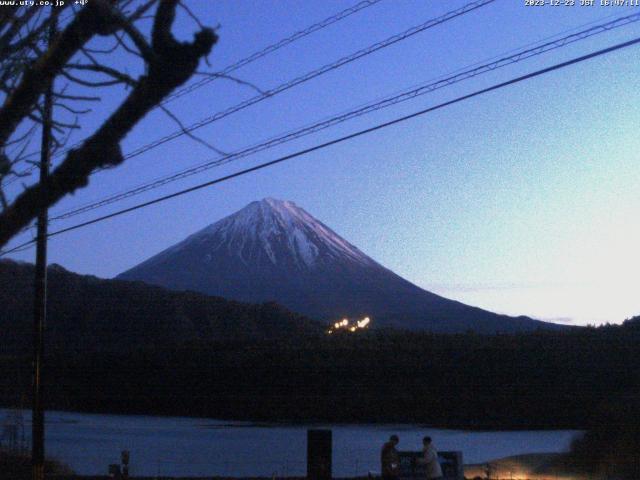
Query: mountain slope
{"x": 274, "y": 250}
{"x": 86, "y": 313}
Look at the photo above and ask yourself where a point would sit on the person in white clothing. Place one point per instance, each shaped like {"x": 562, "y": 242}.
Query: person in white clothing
{"x": 430, "y": 459}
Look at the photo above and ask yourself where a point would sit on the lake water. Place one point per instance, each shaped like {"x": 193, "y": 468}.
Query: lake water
{"x": 88, "y": 443}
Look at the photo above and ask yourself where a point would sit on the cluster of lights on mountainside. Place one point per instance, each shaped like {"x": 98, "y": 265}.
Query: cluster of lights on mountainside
{"x": 345, "y": 326}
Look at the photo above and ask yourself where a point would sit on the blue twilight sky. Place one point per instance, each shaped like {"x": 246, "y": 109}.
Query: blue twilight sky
{"x": 522, "y": 201}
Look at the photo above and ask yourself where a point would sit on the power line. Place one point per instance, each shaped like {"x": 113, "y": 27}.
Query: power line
{"x": 321, "y": 146}
{"x": 236, "y": 65}
{"x": 308, "y": 76}
{"x": 311, "y": 75}
{"x": 369, "y": 108}
{"x": 272, "y": 48}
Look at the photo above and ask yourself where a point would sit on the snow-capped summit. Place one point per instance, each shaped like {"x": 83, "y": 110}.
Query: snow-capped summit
{"x": 277, "y": 231}
{"x": 273, "y": 250}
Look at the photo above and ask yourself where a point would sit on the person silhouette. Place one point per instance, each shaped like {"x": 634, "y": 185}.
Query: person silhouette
{"x": 390, "y": 459}
{"x": 430, "y": 459}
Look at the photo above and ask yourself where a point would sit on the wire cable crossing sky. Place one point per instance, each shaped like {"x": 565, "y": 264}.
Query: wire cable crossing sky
{"x": 239, "y": 64}
{"x": 306, "y": 77}
{"x": 336, "y": 141}
{"x": 520, "y": 202}
{"x": 404, "y": 96}
{"x": 311, "y": 75}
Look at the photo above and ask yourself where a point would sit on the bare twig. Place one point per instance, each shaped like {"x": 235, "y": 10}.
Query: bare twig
{"x": 237, "y": 80}
{"x": 121, "y": 42}
{"x": 190, "y": 134}
{"x": 142, "y": 9}
{"x": 88, "y": 83}
{"x": 133, "y": 33}
{"x": 77, "y": 98}
{"x": 61, "y": 144}
{"x": 22, "y": 137}
{"x": 190, "y": 13}
{"x": 72, "y": 110}
{"x": 112, "y": 72}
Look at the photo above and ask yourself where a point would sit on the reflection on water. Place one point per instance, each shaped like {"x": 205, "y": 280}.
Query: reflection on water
{"x": 206, "y": 447}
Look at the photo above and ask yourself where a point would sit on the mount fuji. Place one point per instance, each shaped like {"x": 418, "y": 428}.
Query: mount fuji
{"x": 273, "y": 250}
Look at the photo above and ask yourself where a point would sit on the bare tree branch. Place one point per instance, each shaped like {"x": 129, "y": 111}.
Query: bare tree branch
{"x": 77, "y": 98}
{"x": 88, "y": 83}
{"x": 136, "y": 36}
{"x": 14, "y": 29}
{"x": 91, "y": 20}
{"x": 169, "y": 64}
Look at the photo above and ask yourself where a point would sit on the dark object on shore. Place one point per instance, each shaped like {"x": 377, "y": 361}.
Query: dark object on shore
{"x": 15, "y": 466}
{"x": 412, "y": 467}
{"x": 390, "y": 459}
{"x": 319, "y": 460}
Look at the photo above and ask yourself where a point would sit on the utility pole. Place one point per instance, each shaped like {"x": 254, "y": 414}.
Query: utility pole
{"x": 40, "y": 294}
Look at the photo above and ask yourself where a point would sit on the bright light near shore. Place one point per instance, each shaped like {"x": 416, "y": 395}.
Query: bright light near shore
{"x": 343, "y": 325}
{"x": 364, "y": 322}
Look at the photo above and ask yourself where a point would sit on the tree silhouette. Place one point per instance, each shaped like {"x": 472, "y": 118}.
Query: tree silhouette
{"x": 28, "y": 63}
